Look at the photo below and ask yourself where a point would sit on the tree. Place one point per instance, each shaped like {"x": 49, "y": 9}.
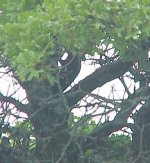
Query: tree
{"x": 35, "y": 36}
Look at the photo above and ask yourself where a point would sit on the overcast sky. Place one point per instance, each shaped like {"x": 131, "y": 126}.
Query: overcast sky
{"x": 7, "y": 88}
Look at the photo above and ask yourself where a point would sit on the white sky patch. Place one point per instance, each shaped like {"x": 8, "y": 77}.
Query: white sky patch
{"x": 8, "y": 87}
{"x": 111, "y": 90}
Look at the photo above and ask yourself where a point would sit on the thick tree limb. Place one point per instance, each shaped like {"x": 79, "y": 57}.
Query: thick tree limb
{"x": 97, "y": 79}
{"x": 120, "y": 120}
{"x": 16, "y": 103}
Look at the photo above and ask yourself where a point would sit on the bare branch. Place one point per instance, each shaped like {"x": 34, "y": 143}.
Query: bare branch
{"x": 120, "y": 120}
{"x": 16, "y": 103}
{"x": 97, "y": 79}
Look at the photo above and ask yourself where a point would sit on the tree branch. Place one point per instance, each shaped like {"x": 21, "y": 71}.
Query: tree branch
{"x": 22, "y": 107}
{"x": 97, "y": 79}
{"x": 120, "y": 120}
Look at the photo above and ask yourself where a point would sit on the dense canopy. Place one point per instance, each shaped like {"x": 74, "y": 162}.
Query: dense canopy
{"x": 44, "y": 45}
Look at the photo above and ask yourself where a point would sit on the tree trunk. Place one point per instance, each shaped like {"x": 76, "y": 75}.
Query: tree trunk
{"x": 49, "y": 116}
{"x": 141, "y": 135}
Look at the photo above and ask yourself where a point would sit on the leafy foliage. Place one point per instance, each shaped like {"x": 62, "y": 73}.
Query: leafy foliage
{"x": 32, "y": 30}
{"x": 35, "y": 35}
{"x": 117, "y": 147}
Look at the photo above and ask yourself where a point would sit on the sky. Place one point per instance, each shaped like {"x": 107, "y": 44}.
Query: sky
{"x": 113, "y": 89}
